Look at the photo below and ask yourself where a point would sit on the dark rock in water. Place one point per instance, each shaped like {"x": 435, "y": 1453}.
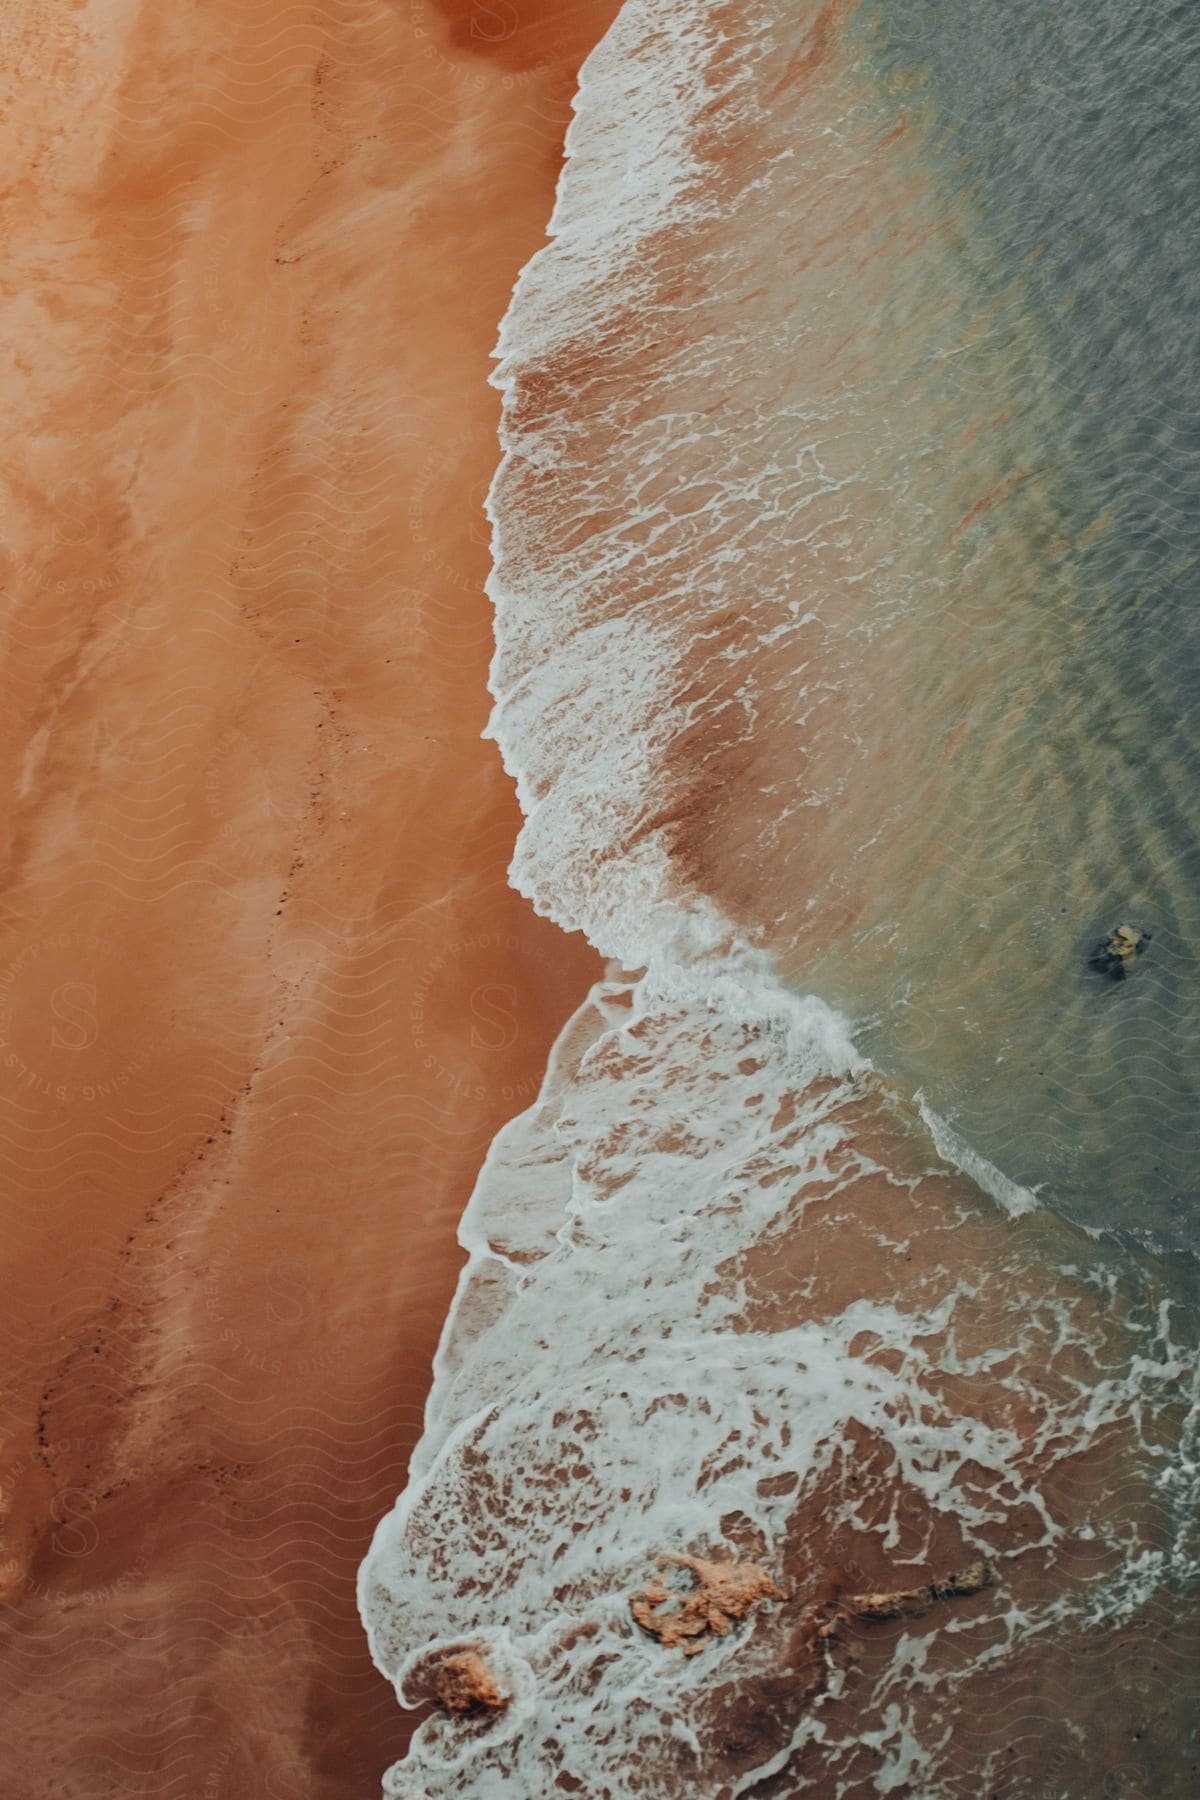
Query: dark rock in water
{"x": 1115, "y": 956}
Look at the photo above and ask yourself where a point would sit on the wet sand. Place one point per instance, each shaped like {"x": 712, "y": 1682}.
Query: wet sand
{"x": 265, "y": 996}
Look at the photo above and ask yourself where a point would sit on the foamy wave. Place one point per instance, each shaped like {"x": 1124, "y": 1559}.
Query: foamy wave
{"x": 1014, "y": 1198}
{"x": 724, "y": 1296}
{"x": 649, "y": 1352}
{"x": 586, "y": 699}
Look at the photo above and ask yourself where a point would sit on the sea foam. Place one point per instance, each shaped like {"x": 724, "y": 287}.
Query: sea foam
{"x": 621, "y": 1377}
{"x": 724, "y": 1296}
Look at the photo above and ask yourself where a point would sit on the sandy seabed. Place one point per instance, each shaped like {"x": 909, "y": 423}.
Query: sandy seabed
{"x": 265, "y": 996}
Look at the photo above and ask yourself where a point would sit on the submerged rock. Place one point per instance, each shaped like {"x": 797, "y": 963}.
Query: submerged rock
{"x": 1115, "y": 955}
{"x": 465, "y": 1684}
{"x": 820, "y": 1637}
{"x": 724, "y": 1592}
{"x": 907, "y": 1603}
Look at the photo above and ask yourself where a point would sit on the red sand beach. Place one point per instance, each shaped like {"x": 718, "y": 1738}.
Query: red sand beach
{"x": 265, "y": 996}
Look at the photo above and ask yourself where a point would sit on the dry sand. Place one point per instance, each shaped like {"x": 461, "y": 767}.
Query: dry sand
{"x": 264, "y": 993}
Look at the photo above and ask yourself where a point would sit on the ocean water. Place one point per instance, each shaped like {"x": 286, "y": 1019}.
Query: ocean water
{"x": 845, "y": 654}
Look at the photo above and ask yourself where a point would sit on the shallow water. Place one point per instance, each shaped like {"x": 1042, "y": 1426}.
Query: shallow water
{"x": 703, "y": 1313}
{"x": 920, "y": 715}
{"x": 1070, "y": 133}
{"x": 838, "y": 544}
